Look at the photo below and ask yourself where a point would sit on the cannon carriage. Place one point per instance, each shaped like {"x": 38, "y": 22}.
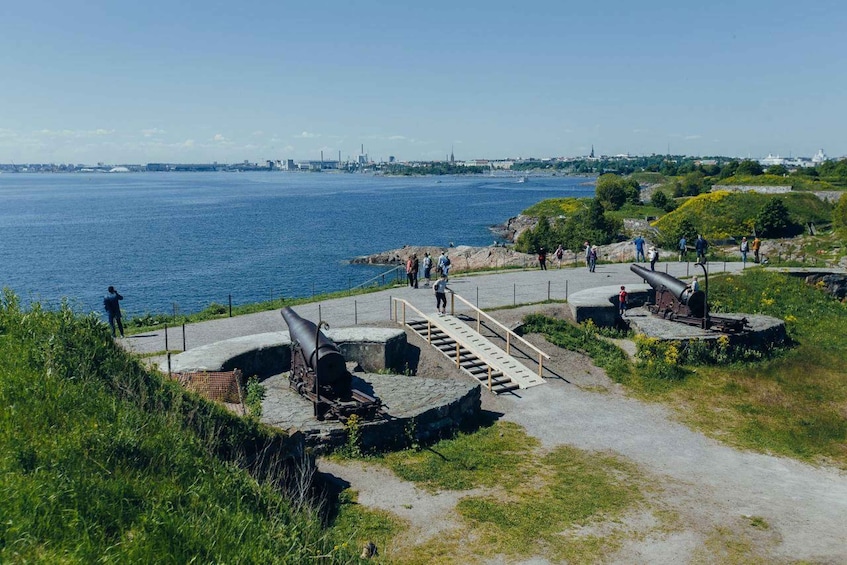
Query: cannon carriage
{"x": 319, "y": 373}
{"x": 678, "y": 302}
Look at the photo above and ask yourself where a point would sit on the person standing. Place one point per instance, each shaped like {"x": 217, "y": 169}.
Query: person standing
{"x": 542, "y": 258}
{"x": 592, "y": 258}
{"x": 622, "y": 298}
{"x": 757, "y": 243}
{"x": 444, "y": 265}
{"x": 560, "y": 254}
{"x": 111, "y": 302}
{"x": 745, "y": 247}
{"x": 683, "y": 250}
{"x": 409, "y": 275}
{"x": 701, "y": 245}
{"x": 427, "y": 267}
{"x": 639, "y": 248}
{"x": 440, "y": 288}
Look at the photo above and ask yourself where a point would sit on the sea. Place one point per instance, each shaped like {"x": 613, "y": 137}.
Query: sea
{"x": 178, "y": 242}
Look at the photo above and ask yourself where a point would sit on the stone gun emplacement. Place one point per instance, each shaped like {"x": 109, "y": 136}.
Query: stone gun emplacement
{"x": 678, "y": 302}
{"x": 319, "y": 373}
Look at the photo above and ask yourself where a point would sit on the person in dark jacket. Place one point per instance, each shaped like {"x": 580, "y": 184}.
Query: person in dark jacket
{"x": 113, "y": 309}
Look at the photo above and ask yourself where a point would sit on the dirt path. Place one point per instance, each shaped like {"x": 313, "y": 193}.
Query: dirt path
{"x": 715, "y": 490}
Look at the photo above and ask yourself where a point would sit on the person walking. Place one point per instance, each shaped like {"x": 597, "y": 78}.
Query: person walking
{"x": 653, "y": 256}
{"x": 683, "y": 250}
{"x": 427, "y": 267}
{"x": 757, "y": 244}
{"x": 622, "y": 298}
{"x": 639, "y": 248}
{"x": 542, "y": 258}
{"x": 560, "y": 254}
{"x": 440, "y": 288}
{"x": 111, "y": 302}
{"x": 745, "y": 247}
{"x": 701, "y": 245}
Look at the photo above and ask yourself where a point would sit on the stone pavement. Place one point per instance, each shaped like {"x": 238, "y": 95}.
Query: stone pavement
{"x": 486, "y": 291}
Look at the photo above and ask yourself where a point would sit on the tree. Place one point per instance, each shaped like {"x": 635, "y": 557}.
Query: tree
{"x": 749, "y": 168}
{"x": 773, "y": 220}
{"x": 610, "y": 191}
{"x": 659, "y": 199}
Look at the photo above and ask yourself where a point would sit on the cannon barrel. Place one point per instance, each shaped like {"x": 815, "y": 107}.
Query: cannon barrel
{"x": 696, "y": 301}
{"x": 326, "y": 358}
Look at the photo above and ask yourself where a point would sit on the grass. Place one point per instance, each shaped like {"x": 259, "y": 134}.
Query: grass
{"x": 101, "y": 461}
{"x": 536, "y": 502}
{"x": 791, "y": 403}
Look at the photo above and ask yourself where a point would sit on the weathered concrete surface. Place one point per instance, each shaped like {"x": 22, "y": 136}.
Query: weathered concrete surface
{"x": 600, "y": 304}
{"x": 269, "y": 353}
{"x": 417, "y": 408}
{"x": 764, "y": 331}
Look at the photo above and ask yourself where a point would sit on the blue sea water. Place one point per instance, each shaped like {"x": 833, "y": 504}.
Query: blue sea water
{"x": 190, "y": 239}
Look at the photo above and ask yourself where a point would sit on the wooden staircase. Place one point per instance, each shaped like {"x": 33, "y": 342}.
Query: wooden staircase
{"x": 474, "y": 354}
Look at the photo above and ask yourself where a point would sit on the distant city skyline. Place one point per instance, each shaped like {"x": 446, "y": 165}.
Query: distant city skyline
{"x": 97, "y": 81}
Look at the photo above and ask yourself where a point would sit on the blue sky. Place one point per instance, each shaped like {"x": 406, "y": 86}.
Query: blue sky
{"x": 193, "y": 81}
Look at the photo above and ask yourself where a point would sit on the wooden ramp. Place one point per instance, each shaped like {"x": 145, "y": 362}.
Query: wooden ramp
{"x": 474, "y": 354}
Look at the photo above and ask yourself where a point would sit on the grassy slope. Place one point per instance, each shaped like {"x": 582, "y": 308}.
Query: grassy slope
{"x": 100, "y": 461}
{"x": 726, "y": 214}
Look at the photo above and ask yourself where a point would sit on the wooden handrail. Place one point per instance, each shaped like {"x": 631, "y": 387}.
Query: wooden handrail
{"x": 504, "y": 328}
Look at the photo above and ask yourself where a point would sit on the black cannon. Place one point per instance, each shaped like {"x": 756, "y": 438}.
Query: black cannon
{"x": 677, "y": 301}
{"x": 319, "y": 373}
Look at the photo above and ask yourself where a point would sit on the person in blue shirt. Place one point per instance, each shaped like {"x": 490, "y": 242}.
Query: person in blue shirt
{"x": 113, "y": 309}
{"x": 700, "y": 246}
{"x": 639, "y": 248}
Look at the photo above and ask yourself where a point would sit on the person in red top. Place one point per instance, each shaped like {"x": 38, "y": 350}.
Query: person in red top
{"x": 622, "y": 301}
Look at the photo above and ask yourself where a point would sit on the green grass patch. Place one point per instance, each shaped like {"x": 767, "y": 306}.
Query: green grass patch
{"x": 572, "y": 488}
{"x": 487, "y": 457}
{"x": 101, "y": 461}
{"x": 536, "y": 502}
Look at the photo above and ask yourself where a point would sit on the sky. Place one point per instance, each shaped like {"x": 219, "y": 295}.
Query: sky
{"x": 201, "y": 81}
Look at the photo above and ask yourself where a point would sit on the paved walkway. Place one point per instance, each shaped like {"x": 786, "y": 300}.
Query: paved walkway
{"x": 486, "y": 291}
